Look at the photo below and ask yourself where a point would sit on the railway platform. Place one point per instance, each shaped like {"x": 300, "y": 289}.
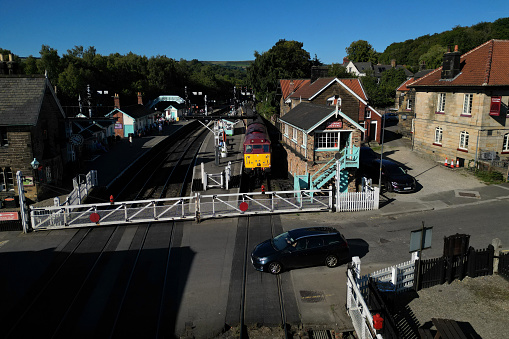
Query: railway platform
{"x": 207, "y": 157}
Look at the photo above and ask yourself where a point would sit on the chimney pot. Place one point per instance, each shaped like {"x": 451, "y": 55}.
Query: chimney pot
{"x": 116, "y": 101}
{"x": 455, "y": 48}
{"x": 10, "y": 57}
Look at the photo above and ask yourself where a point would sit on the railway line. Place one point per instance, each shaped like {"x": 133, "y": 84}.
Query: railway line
{"x": 258, "y": 298}
{"x": 115, "y": 282}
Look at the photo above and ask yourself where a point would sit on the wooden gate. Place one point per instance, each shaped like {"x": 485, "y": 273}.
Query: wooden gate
{"x": 503, "y": 264}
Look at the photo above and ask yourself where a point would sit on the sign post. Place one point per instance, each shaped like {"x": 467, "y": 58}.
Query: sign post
{"x": 420, "y": 240}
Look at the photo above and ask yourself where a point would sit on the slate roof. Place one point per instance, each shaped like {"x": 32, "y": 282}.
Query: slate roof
{"x": 485, "y": 65}
{"x": 307, "y": 115}
{"x": 21, "y": 99}
{"x": 363, "y": 66}
{"x": 297, "y": 83}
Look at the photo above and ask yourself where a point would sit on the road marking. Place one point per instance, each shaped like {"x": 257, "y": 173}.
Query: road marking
{"x": 3, "y": 242}
{"x": 504, "y": 187}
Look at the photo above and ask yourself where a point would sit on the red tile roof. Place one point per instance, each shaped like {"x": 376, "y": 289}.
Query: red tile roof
{"x": 403, "y": 87}
{"x": 307, "y": 91}
{"x": 286, "y": 85}
{"x": 485, "y": 65}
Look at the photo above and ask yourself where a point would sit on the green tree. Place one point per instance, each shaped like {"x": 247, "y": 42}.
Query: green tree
{"x": 433, "y": 57}
{"x": 285, "y": 60}
{"x": 361, "y": 51}
{"x": 49, "y": 62}
{"x": 338, "y": 71}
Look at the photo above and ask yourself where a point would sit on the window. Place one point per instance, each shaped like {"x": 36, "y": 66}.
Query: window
{"x": 294, "y": 136}
{"x": 326, "y": 140}
{"x": 463, "y": 140}
{"x": 505, "y": 146}
{"x": 3, "y": 137}
{"x": 332, "y": 101}
{"x": 441, "y": 103}
{"x": 286, "y": 129}
{"x": 467, "y": 104}
{"x": 8, "y": 179}
{"x": 409, "y": 104}
{"x": 438, "y": 136}
{"x": 315, "y": 242}
{"x": 367, "y": 115}
{"x": 304, "y": 139}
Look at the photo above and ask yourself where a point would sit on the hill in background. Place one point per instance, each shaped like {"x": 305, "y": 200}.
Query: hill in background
{"x": 234, "y": 64}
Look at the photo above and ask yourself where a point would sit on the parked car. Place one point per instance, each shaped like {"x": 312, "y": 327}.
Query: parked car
{"x": 390, "y": 117}
{"x": 367, "y": 155}
{"x": 394, "y": 178}
{"x": 302, "y": 247}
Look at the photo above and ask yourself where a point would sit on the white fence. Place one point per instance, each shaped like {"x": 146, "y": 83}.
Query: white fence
{"x": 401, "y": 277}
{"x": 358, "y": 310}
{"x": 358, "y": 201}
{"x": 196, "y": 207}
{"x": 82, "y": 185}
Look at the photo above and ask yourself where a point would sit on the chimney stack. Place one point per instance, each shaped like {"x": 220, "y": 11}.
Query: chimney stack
{"x": 393, "y": 63}
{"x": 451, "y": 64}
{"x": 140, "y": 99}
{"x": 345, "y": 61}
{"x": 116, "y": 101}
{"x": 291, "y": 86}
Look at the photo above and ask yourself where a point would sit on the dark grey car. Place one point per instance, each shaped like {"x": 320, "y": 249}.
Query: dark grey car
{"x": 302, "y": 247}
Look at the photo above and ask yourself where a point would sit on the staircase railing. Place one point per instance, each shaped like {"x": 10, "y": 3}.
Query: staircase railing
{"x": 349, "y": 157}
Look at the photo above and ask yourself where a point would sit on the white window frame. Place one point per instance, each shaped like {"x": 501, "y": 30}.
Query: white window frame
{"x": 467, "y": 104}
{"x": 367, "y": 114}
{"x": 330, "y": 101}
{"x": 464, "y": 140}
{"x": 409, "y": 104}
{"x": 304, "y": 139}
{"x": 326, "y": 140}
{"x": 286, "y": 130}
{"x": 505, "y": 145}
{"x": 294, "y": 135}
{"x": 441, "y": 102}
{"x": 438, "y": 135}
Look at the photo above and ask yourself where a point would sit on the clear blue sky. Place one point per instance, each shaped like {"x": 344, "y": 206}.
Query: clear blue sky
{"x": 229, "y": 30}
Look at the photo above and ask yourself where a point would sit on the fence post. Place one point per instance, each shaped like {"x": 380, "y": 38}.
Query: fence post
{"x": 497, "y": 245}
{"x": 471, "y": 262}
{"x": 491, "y": 253}
{"x": 394, "y": 275}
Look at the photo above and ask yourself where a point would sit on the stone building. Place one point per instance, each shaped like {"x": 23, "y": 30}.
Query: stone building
{"x": 32, "y": 126}
{"x": 461, "y": 107}
{"x": 405, "y": 105}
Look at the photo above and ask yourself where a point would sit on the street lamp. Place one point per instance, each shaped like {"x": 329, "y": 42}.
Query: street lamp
{"x": 35, "y": 164}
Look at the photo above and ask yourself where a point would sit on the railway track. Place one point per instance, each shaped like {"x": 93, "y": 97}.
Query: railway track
{"x": 115, "y": 282}
{"x": 259, "y": 298}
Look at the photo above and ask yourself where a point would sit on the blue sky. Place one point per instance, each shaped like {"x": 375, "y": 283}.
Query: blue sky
{"x": 229, "y": 30}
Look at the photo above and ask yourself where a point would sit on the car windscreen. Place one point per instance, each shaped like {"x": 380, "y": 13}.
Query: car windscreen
{"x": 395, "y": 170}
{"x": 282, "y": 241}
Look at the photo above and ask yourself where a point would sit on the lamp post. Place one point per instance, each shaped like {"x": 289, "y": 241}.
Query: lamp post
{"x": 35, "y": 165}
{"x": 381, "y": 154}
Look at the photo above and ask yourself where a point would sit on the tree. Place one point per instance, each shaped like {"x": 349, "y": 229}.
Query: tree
{"x": 285, "y": 60}
{"x": 433, "y": 57}
{"x": 361, "y": 51}
{"x": 338, "y": 71}
{"x": 49, "y": 62}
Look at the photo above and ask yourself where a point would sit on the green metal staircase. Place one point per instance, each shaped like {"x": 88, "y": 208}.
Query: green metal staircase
{"x": 348, "y": 158}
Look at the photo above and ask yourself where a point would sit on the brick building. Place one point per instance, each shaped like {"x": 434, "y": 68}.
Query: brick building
{"x": 32, "y": 126}
{"x": 461, "y": 107}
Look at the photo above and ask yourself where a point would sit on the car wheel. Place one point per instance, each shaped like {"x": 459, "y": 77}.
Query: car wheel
{"x": 331, "y": 261}
{"x": 274, "y": 267}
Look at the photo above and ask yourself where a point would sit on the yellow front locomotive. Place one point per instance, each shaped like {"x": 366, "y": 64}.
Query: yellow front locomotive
{"x": 257, "y": 150}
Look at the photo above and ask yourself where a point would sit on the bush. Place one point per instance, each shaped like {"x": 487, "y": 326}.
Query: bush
{"x": 489, "y": 177}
